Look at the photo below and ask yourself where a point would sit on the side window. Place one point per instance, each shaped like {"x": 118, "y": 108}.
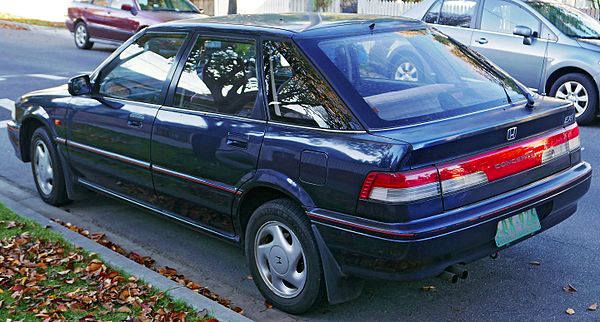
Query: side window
{"x": 140, "y": 71}
{"x": 433, "y": 13}
{"x": 116, "y": 4}
{"x": 102, "y": 3}
{"x": 457, "y": 13}
{"x": 501, "y": 16}
{"x": 297, "y": 95}
{"x": 219, "y": 76}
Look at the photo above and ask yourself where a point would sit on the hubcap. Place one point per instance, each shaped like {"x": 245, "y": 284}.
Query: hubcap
{"x": 576, "y": 93}
{"x": 80, "y": 35}
{"x": 44, "y": 175}
{"x": 280, "y": 259}
{"x": 407, "y": 72}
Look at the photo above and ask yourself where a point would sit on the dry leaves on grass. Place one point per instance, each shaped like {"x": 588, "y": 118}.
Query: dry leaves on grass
{"x": 12, "y": 26}
{"x": 147, "y": 261}
{"x": 35, "y": 272}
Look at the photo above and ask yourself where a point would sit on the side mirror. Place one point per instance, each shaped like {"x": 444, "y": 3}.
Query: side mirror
{"x": 80, "y": 85}
{"x": 525, "y": 32}
{"x": 128, "y": 7}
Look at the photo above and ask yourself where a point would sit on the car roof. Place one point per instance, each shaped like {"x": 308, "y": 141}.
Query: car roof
{"x": 295, "y": 23}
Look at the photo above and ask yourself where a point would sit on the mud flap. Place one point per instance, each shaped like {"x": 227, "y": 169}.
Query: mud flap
{"x": 340, "y": 287}
{"x": 74, "y": 190}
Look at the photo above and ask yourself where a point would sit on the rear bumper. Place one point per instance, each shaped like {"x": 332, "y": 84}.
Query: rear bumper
{"x": 424, "y": 248}
{"x": 13, "y": 136}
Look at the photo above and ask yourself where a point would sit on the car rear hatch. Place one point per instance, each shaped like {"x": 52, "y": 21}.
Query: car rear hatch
{"x": 491, "y": 152}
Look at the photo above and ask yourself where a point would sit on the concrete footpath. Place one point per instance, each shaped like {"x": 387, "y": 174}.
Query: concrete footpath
{"x": 16, "y": 199}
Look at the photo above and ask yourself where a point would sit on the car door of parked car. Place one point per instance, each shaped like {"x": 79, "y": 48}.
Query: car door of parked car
{"x": 455, "y": 18}
{"x": 495, "y": 39}
{"x": 122, "y": 24}
{"x": 109, "y": 132}
{"x": 206, "y": 141}
{"x": 96, "y": 17}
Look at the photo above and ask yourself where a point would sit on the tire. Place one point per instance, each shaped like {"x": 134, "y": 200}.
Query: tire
{"x": 407, "y": 67}
{"x": 573, "y": 87}
{"x": 47, "y": 169}
{"x": 283, "y": 215}
{"x": 81, "y": 36}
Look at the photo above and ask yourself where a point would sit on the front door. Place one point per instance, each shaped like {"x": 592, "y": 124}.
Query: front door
{"x": 109, "y": 132}
{"x": 206, "y": 142}
{"x": 122, "y": 22}
{"x": 495, "y": 40}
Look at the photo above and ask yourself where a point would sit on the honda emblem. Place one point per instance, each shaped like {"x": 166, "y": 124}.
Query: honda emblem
{"x": 511, "y": 133}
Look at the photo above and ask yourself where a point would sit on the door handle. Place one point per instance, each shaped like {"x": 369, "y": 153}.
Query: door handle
{"x": 135, "y": 120}
{"x": 482, "y": 41}
{"x": 237, "y": 140}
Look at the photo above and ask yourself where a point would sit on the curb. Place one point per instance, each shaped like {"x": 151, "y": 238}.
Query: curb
{"x": 173, "y": 289}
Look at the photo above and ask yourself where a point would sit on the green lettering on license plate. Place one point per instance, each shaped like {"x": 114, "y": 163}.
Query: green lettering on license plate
{"x": 517, "y": 226}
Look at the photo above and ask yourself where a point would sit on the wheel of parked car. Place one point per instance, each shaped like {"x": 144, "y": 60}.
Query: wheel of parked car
{"x": 581, "y": 90}
{"x": 283, "y": 257}
{"x": 82, "y": 36}
{"x": 46, "y": 168}
{"x": 406, "y": 67}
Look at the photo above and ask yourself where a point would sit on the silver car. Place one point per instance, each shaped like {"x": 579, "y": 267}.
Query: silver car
{"x": 550, "y": 47}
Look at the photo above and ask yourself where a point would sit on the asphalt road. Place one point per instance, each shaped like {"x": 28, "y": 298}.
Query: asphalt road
{"x": 508, "y": 288}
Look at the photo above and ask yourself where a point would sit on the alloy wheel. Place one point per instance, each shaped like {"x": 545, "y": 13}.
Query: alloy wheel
{"x": 81, "y": 35}
{"x": 44, "y": 174}
{"x": 280, "y": 259}
{"x": 575, "y": 92}
{"x": 407, "y": 72}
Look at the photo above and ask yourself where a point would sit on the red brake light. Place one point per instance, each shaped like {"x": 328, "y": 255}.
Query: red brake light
{"x": 455, "y": 176}
{"x": 401, "y": 186}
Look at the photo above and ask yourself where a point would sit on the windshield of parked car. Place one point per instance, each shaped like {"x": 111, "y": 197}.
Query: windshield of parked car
{"x": 570, "y": 21}
{"x": 167, "y": 5}
{"x": 418, "y": 75}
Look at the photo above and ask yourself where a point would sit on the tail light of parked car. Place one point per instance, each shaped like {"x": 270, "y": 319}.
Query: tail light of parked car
{"x": 429, "y": 182}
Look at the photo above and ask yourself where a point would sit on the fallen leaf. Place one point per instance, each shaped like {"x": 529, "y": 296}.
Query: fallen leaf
{"x": 569, "y": 288}
{"x": 268, "y": 305}
{"x": 124, "y": 309}
{"x": 593, "y": 307}
{"x": 570, "y": 311}
{"x": 428, "y": 288}
{"x": 534, "y": 263}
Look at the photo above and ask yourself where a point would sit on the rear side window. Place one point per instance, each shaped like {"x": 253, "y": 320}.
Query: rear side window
{"x": 501, "y": 16}
{"x": 220, "y": 77}
{"x": 457, "y": 13}
{"x": 140, "y": 71}
{"x": 297, "y": 95}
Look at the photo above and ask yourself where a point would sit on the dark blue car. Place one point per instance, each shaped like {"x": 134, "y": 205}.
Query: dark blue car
{"x": 334, "y": 149}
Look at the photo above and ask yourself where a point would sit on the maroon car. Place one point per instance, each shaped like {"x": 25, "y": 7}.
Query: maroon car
{"x": 114, "y": 21}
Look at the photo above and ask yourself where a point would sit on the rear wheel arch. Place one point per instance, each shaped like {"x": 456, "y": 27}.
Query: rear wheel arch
{"x": 255, "y": 197}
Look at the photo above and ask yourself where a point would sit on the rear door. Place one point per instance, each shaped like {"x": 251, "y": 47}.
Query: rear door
{"x": 109, "y": 133}
{"x": 455, "y": 18}
{"x": 495, "y": 40}
{"x": 207, "y": 140}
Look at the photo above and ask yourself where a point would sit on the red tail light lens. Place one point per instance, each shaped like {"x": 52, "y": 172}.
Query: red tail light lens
{"x": 401, "y": 186}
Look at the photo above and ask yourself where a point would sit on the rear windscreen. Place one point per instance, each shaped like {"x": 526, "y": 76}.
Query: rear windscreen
{"x": 417, "y": 75}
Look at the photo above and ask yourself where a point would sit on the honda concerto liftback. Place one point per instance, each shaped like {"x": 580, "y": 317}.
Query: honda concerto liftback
{"x": 308, "y": 145}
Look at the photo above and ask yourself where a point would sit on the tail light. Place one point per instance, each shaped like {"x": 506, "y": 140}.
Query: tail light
{"x": 403, "y": 187}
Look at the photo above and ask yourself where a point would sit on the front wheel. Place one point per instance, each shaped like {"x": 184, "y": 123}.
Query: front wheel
{"x": 47, "y": 170}
{"x": 581, "y": 91}
{"x": 283, "y": 257}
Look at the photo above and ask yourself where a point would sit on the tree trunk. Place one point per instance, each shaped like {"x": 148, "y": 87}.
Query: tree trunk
{"x": 232, "y": 10}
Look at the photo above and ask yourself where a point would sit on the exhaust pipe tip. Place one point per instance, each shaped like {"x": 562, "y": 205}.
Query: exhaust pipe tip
{"x": 449, "y": 276}
{"x": 459, "y": 270}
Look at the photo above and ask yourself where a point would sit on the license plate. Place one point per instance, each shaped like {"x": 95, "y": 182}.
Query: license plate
{"x": 517, "y": 226}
